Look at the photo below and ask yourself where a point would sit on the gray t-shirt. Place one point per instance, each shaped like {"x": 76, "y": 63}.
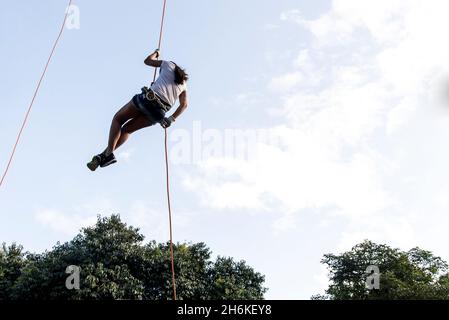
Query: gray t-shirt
{"x": 165, "y": 86}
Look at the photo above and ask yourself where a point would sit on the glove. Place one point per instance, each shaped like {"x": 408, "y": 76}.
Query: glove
{"x": 166, "y": 122}
{"x": 158, "y": 53}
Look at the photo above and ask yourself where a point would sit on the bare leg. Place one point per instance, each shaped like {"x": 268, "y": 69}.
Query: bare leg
{"x": 126, "y": 121}
{"x": 129, "y": 111}
{"x": 130, "y": 127}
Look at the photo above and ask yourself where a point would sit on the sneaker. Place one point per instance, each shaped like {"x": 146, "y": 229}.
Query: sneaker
{"x": 107, "y": 160}
{"x": 96, "y": 161}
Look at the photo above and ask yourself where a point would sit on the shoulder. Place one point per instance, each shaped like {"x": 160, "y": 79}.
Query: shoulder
{"x": 168, "y": 64}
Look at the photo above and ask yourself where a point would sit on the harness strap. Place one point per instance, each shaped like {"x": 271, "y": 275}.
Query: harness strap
{"x": 150, "y": 95}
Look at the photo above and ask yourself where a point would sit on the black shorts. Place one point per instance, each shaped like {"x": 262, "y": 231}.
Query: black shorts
{"x": 153, "y": 110}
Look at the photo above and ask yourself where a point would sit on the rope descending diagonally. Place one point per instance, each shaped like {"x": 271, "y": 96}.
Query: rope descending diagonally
{"x": 36, "y": 91}
{"x": 161, "y": 32}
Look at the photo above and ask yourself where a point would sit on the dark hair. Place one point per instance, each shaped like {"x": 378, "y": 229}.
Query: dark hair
{"x": 180, "y": 75}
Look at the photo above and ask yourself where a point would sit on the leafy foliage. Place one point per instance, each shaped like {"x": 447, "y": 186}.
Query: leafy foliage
{"x": 416, "y": 274}
{"x": 116, "y": 264}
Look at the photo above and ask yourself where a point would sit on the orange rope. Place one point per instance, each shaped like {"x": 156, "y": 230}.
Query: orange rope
{"x": 170, "y": 217}
{"x": 161, "y": 32}
{"x": 34, "y": 97}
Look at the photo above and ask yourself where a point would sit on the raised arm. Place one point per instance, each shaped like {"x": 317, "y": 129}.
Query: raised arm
{"x": 152, "y": 59}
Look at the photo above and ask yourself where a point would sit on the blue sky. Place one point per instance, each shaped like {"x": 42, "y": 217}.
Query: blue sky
{"x": 353, "y": 94}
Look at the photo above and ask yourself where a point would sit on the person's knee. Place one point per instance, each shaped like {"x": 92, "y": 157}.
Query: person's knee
{"x": 127, "y": 129}
{"x": 118, "y": 117}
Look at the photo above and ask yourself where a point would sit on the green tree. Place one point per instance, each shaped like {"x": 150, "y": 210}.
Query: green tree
{"x": 415, "y": 274}
{"x": 116, "y": 264}
{"x": 11, "y": 262}
{"x": 234, "y": 280}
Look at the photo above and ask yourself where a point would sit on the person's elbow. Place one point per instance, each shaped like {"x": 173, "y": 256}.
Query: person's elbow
{"x": 152, "y": 62}
{"x": 149, "y": 62}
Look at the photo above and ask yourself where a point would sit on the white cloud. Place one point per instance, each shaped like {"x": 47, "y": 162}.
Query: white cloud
{"x": 249, "y": 98}
{"x": 322, "y": 279}
{"x": 363, "y": 131}
{"x": 71, "y": 220}
{"x": 228, "y": 194}
{"x": 125, "y": 155}
{"x": 286, "y": 223}
{"x": 271, "y": 26}
{"x": 292, "y": 15}
{"x": 395, "y": 231}
{"x": 151, "y": 219}
{"x": 303, "y": 59}
{"x": 285, "y": 82}
{"x": 67, "y": 224}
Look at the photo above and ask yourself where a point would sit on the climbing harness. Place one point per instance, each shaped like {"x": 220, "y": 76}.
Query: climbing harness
{"x": 150, "y": 95}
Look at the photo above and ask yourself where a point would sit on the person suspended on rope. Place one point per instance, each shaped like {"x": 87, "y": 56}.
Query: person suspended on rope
{"x": 147, "y": 108}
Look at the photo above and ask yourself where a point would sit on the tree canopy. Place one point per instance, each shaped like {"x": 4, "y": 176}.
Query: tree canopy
{"x": 115, "y": 263}
{"x": 415, "y": 274}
